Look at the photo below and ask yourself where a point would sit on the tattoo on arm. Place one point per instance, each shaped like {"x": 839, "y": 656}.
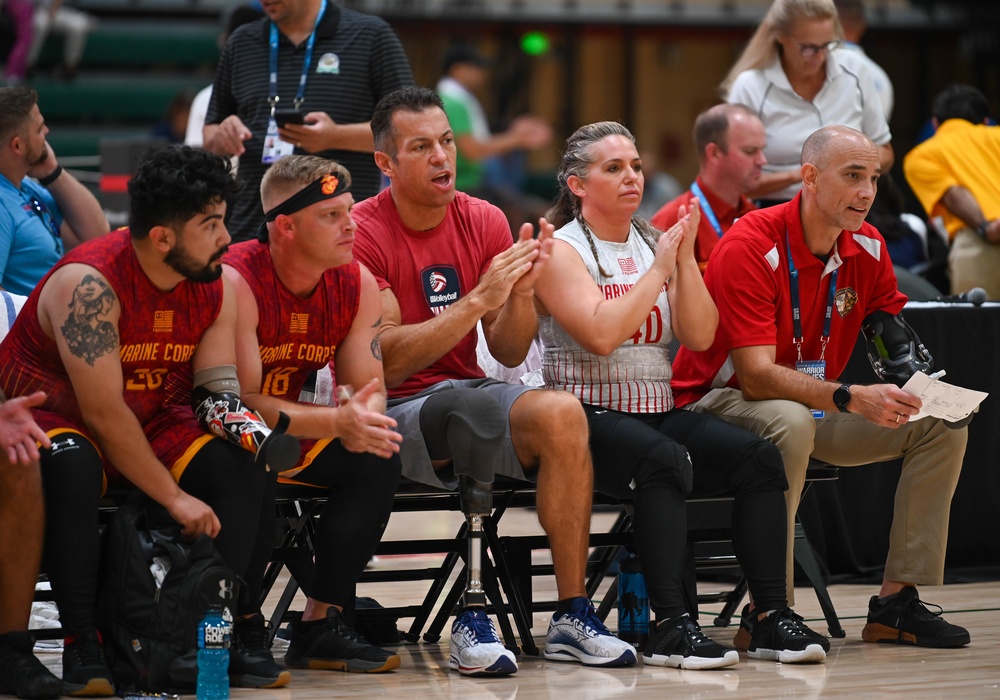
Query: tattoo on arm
{"x": 377, "y": 340}
{"x": 87, "y": 331}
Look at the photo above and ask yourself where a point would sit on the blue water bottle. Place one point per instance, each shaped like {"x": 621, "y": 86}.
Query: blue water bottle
{"x": 214, "y": 634}
{"x": 633, "y": 604}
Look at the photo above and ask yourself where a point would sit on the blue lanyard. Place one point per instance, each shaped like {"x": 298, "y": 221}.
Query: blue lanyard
{"x": 793, "y": 288}
{"x": 306, "y": 62}
{"x": 706, "y": 208}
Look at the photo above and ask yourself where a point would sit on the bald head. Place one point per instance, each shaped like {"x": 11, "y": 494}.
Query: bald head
{"x": 823, "y": 144}
{"x": 840, "y": 171}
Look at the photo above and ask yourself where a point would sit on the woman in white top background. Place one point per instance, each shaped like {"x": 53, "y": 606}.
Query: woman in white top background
{"x": 797, "y": 80}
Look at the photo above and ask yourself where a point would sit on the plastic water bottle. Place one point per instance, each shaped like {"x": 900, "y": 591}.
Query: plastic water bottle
{"x": 214, "y": 634}
{"x": 633, "y": 604}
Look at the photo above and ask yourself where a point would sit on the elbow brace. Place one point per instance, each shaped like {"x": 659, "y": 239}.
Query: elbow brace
{"x": 216, "y": 402}
{"x": 894, "y": 350}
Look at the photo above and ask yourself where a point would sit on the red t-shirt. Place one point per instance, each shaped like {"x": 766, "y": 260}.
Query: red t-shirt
{"x": 708, "y": 237}
{"x": 428, "y": 271}
{"x": 158, "y": 333}
{"x": 296, "y": 335}
{"x": 748, "y": 277}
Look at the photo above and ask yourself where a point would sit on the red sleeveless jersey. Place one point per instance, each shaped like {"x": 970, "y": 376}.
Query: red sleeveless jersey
{"x": 296, "y": 336}
{"x": 158, "y": 333}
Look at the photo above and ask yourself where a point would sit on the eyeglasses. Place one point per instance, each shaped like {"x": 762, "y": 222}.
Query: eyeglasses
{"x": 810, "y": 50}
{"x": 42, "y": 213}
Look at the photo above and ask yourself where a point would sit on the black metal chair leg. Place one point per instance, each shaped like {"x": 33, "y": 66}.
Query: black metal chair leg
{"x": 806, "y": 558}
{"x": 451, "y": 560}
{"x": 502, "y": 572}
{"x": 447, "y": 609}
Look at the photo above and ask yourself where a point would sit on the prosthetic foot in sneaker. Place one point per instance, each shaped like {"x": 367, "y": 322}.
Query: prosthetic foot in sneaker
{"x": 680, "y": 643}
{"x": 580, "y": 635}
{"x": 476, "y": 650}
{"x": 332, "y": 645}
{"x": 904, "y": 619}
{"x": 251, "y": 664}
{"x": 85, "y": 670}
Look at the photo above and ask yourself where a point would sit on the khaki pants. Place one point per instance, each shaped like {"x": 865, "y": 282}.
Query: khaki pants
{"x": 932, "y": 461}
{"x": 972, "y": 262}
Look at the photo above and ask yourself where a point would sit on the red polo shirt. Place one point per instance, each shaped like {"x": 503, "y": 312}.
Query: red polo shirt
{"x": 748, "y": 278}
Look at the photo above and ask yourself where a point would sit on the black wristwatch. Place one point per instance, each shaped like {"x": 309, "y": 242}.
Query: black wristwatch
{"x": 842, "y": 397}
{"x": 981, "y": 230}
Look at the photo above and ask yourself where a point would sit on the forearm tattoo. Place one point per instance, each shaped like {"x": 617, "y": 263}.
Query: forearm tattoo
{"x": 88, "y": 333}
{"x": 377, "y": 340}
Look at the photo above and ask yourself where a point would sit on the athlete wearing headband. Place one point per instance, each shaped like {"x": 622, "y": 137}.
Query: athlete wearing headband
{"x": 327, "y": 187}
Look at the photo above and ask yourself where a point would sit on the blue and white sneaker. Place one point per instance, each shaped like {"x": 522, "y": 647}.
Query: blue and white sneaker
{"x": 579, "y": 635}
{"x": 476, "y": 650}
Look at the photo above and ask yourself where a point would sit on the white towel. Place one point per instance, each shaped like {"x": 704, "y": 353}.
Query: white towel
{"x": 10, "y": 305}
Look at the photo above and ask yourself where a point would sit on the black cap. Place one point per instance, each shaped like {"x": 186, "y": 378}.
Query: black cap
{"x": 464, "y": 53}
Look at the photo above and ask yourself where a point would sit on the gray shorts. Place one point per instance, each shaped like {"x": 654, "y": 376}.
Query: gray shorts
{"x": 413, "y": 452}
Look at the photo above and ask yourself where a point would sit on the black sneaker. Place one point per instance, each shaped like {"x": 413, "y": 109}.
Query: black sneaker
{"x": 251, "y": 664}
{"x": 330, "y": 644}
{"x": 903, "y": 619}
{"x": 21, "y": 673}
{"x": 85, "y": 670}
{"x": 743, "y": 635}
{"x": 783, "y": 636}
{"x": 680, "y": 643}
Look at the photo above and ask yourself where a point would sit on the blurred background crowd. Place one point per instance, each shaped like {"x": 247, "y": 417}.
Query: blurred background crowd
{"x": 520, "y": 76}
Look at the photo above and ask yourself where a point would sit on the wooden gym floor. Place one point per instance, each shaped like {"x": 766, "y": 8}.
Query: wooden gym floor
{"x": 853, "y": 668}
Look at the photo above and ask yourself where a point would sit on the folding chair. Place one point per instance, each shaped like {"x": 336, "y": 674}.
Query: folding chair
{"x": 298, "y": 508}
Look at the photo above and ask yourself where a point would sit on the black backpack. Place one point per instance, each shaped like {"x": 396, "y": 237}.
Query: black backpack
{"x": 150, "y": 633}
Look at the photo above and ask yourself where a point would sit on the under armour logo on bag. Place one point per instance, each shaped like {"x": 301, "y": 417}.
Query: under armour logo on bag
{"x": 225, "y": 589}
{"x": 59, "y": 446}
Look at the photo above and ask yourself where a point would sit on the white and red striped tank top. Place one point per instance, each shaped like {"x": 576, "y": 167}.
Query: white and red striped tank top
{"x": 635, "y": 377}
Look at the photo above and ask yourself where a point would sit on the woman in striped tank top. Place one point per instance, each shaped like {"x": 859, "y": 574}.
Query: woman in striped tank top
{"x": 614, "y": 295}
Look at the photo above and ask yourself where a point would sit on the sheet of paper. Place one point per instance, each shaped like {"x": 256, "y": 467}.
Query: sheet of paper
{"x": 943, "y": 400}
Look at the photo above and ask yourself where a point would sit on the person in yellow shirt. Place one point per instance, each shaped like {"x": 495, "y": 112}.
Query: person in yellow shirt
{"x": 956, "y": 176}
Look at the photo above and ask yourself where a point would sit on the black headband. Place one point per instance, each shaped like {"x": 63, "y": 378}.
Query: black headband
{"x": 327, "y": 187}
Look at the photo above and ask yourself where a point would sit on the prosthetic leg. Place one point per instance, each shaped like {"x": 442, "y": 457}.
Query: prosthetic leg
{"x": 476, "y": 498}
{"x": 468, "y": 427}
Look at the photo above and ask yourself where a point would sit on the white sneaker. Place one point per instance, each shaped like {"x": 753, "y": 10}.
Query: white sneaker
{"x": 476, "y": 650}
{"x": 579, "y": 635}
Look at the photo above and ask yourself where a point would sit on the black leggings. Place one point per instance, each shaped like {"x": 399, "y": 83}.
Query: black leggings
{"x": 220, "y": 474}
{"x": 360, "y": 488}
{"x": 242, "y": 495}
{"x": 659, "y": 459}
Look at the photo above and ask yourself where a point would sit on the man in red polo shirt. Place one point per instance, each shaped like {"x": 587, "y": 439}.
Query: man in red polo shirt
{"x": 777, "y": 378}
{"x": 730, "y": 142}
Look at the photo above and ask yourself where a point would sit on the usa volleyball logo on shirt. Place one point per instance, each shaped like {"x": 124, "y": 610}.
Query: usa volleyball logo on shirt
{"x": 437, "y": 281}
{"x": 441, "y": 287}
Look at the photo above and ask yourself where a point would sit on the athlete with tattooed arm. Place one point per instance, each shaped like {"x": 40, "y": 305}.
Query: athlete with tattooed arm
{"x": 112, "y": 336}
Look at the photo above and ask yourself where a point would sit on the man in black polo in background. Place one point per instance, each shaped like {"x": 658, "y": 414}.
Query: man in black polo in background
{"x": 333, "y": 65}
